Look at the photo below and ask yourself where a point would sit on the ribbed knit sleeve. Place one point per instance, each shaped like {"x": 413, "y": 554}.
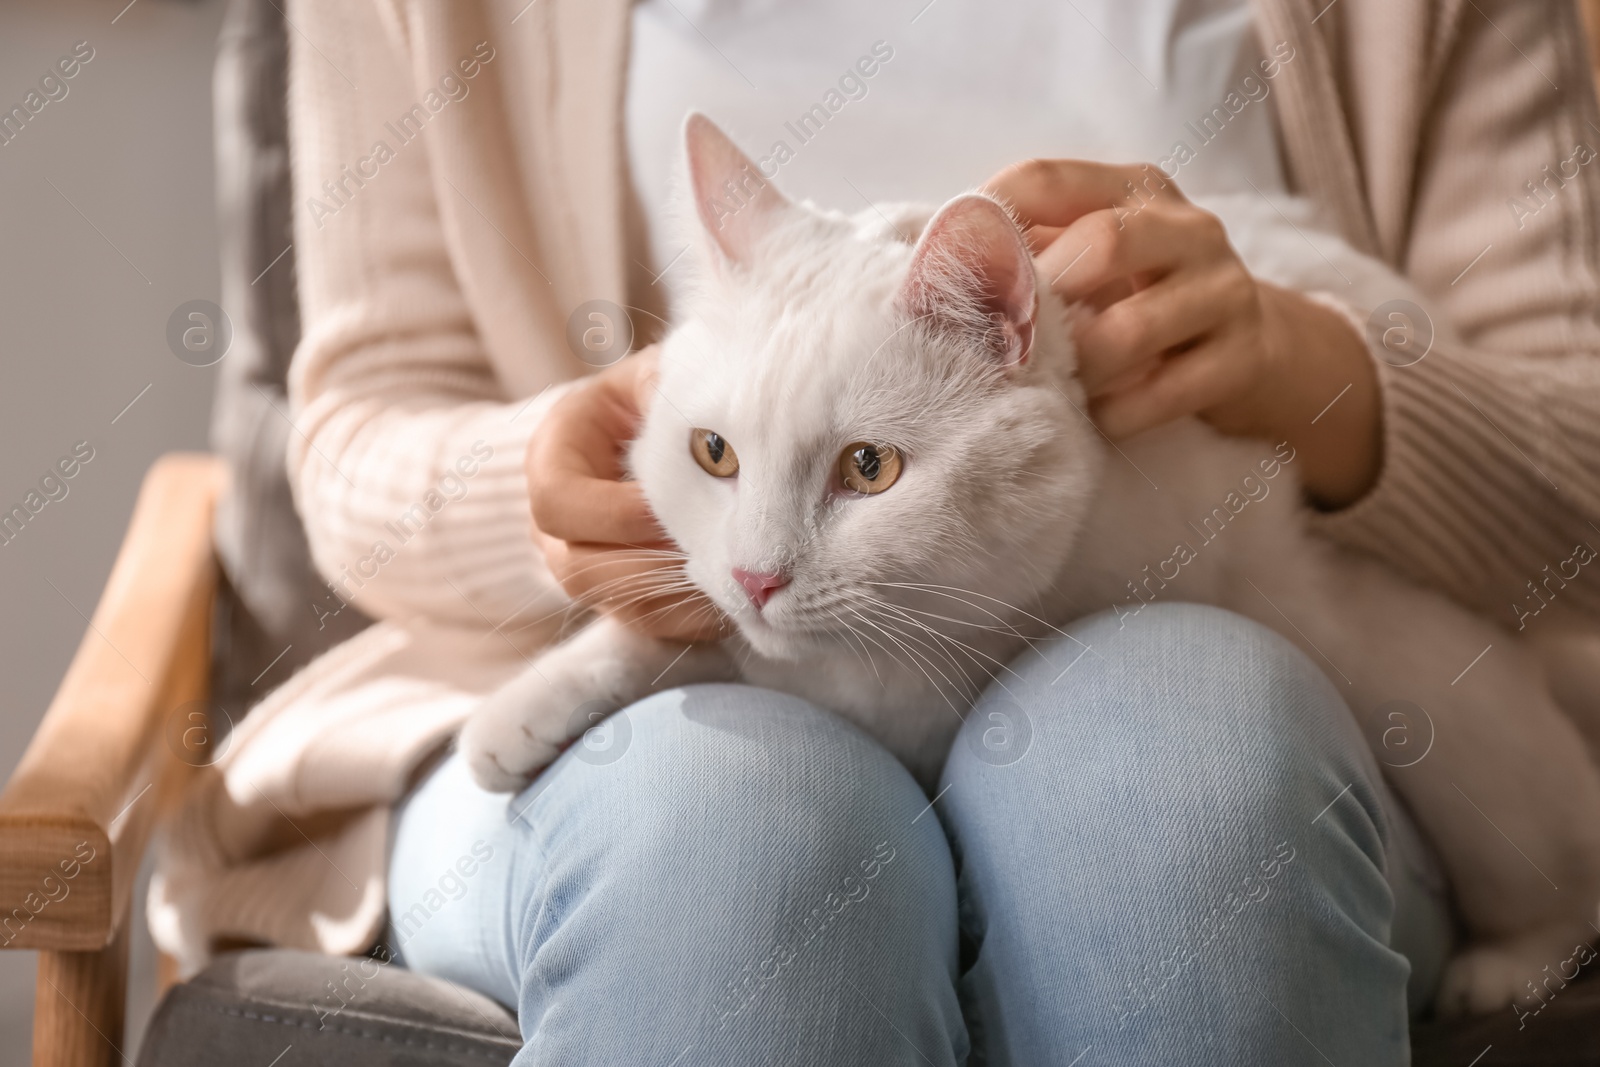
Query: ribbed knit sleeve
{"x": 1491, "y": 470}
{"x": 407, "y": 452}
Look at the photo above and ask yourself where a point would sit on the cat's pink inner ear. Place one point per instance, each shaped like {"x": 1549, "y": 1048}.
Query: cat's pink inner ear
{"x": 972, "y": 272}
{"x": 736, "y": 205}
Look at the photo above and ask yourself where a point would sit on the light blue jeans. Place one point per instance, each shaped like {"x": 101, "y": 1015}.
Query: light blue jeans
{"x": 1171, "y": 848}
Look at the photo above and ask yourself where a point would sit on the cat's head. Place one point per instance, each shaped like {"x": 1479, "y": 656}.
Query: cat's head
{"x": 842, "y": 413}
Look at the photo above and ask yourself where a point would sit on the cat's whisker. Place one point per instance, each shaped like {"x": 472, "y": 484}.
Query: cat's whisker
{"x": 883, "y": 610}
{"x": 619, "y": 592}
{"x": 586, "y": 601}
{"x": 616, "y": 597}
{"x": 710, "y": 608}
{"x": 949, "y": 656}
{"x": 909, "y": 615}
{"x": 959, "y": 685}
{"x": 617, "y": 559}
{"x": 657, "y": 573}
{"x": 970, "y": 651}
{"x": 692, "y": 619}
{"x": 960, "y": 688}
{"x": 893, "y": 657}
{"x": 630, "y": 589}
{"x": 618, "y": 602}
{"x": 849, "y": 631}
{"x": 993, "y": 676}
{"x": 917, "y": 659}
{"x": 950, "y": 591}
{"x": 1008, "y": 629}
{"x": 567, "y": 610}
{"x": 517, "y": 608}
{"x": 897, "y": 655}
{"x": 916, "y": 617}
{"x": 881, "y": 607}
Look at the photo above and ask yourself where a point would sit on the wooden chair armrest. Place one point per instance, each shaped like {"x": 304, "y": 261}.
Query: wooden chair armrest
{"x": 78, "y": 812}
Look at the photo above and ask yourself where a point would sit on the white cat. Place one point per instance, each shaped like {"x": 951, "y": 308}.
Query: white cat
{"x": 875, "y": 458}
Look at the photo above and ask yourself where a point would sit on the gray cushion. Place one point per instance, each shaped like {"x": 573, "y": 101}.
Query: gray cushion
{"x": 272, "y": 612}
{"x": 248, "y": 1007}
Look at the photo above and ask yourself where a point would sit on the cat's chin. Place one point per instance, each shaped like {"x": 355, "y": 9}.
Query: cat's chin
{"x": 776, "y": 641}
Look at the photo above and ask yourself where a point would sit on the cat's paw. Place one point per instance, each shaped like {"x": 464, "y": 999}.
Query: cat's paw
{"x": 496, "y": 766}
{"x": 513, "y": 735}
{"x": 500, "y": 758}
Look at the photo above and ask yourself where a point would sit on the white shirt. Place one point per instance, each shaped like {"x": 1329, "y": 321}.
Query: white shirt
{"x": 966, "y": 89}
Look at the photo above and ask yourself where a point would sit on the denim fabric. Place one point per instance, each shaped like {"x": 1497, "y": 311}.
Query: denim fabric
{"x": 1193, "y": 861}
{"x": 726, "y": 875}
{"x": 1172, "y": 843}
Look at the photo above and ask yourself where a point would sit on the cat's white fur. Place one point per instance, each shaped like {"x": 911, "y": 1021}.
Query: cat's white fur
{"x": 807, "y": 330}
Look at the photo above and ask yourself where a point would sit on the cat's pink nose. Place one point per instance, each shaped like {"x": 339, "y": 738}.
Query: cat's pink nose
{"x": 760, "y": 585}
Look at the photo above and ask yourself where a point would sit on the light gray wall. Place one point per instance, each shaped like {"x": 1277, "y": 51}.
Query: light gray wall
{"x": 106, "y": 226}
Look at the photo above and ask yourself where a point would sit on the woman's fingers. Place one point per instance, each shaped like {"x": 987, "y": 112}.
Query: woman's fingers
{"x": 676, "y": 618}
{"x": 1166, "y": 285}
{"x": 575, "y": 463}
{"x": 1183, "y": 385}
{"x": 1178, "y": 326}
{"x": 1137, "y": 330}
{"x": 607, "y": 576}
{"x": 1103, "y": 247}
{"x": 1057, "y": 192}
{"x": 644, "y": 587}
{"x": 574, "y": 504}
{"x": 597, "y": 533}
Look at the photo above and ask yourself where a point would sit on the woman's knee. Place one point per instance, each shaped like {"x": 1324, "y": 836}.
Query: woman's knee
{"x": 731, "y": 761}
{"x": 1182, "y": 715}
{"x": 756, "y": 791}
{"x": 1189, "y": 802}
{"x": 746, "y": 849}
{"x": 1185, "y": 766}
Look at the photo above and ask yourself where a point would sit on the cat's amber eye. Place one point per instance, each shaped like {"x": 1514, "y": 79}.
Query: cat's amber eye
{"x": 713, "y": 453}
{"x": 868, "y": 468}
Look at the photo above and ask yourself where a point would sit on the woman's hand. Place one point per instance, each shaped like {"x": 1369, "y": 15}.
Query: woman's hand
{"x": 1181, "y": 327}
{"x": 598, "y": 534}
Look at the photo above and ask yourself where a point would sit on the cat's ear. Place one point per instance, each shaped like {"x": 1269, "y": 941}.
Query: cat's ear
{"x": 736, "y": 205}
{"x": 971, "y": 272}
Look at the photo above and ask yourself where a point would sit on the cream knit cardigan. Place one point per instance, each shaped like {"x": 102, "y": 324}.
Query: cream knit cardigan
{"x": 437, "y": 278}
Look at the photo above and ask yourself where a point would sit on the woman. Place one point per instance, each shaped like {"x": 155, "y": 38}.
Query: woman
{"x": 1186, "y": 851}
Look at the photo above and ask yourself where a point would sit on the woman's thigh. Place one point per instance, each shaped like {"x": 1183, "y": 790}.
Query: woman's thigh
{"x": 721, "y": 874}
{"x": 1175, "y": 846}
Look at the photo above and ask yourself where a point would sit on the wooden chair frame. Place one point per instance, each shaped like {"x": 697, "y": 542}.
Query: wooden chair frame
{"x": 106, "y": 763}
